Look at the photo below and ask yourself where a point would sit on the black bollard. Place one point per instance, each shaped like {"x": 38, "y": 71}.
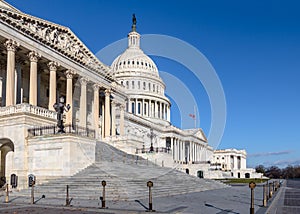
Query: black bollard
{"x": 270, "y": 190}
{"x": 103, "y": 195}
{"x": 7, "y": 194}
{"x": 252, "y": 185}
{"x": 32, "y": 192}
{"x": 67, "y": 197}
{"x": 265, "y": 195}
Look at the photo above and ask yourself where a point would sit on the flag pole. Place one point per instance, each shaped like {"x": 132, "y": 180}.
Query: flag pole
{"x": 195, "y": 116}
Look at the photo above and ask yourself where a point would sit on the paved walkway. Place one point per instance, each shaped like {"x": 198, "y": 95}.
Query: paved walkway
{"x": 287, "y": 200}
{"x": 235, "y": 199}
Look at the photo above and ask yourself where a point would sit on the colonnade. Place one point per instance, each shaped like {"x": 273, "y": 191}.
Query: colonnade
{"x": 109, "y": 107}
{"x": 149, "y": 108}
{"x": 187, "y": 151}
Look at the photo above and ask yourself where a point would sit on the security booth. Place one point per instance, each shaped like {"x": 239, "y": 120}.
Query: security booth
{"x": 31, "y": 180}
{"x": 13, "y": 180}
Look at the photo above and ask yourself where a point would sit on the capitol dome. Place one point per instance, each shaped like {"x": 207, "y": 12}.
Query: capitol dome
{"x": 138, "y": 74}
{"x": 134, "y": 59}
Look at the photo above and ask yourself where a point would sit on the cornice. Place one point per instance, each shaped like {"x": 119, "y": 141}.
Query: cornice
{"x": 56, "y": 37}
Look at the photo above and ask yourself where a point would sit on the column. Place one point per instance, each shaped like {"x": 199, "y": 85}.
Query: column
{"x": 149, "y": 109}
{"x": 192, "y": 151}
{"x": 19, "y": 63}
{"x": 1, "y": 85}
{"x": 82, "y": 107}
{"x": 69, "y": 96}
{"x": 113, "y": 118}
{"x": 10, "y": 76}
{"x": 143, "y": 107}
{"x": 52, "y": 84}
{"x": 168, "y": 113}
{"x": 160, "y": 110}
{"x": 136, "y": 106}
{"x": 96, "y": 108}
{"x": 122, "y": 129}
{"x": 107, "y": 113}
{"x": 33, "y": 58}
{"x": 102, "y": 121}
{"x": 175, "y": 149}
{"x": 172, "y": 147}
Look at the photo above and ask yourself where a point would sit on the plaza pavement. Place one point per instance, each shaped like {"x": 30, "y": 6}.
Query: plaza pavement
{"x": 234, "y": 199}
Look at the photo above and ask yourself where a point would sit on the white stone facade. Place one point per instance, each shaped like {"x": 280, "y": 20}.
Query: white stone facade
{"x": 123, "y": 104}
{"x": 233, "y": 162}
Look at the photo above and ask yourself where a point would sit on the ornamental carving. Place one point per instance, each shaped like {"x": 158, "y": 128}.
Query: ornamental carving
{"x": 70, "y": 73}
{"x": 11, "y": 45}
{"x": 53, "y": 66}
{"x": 83, "y": 80}
{"x": 55, "y": 36}
{"x": 34, "y": 56}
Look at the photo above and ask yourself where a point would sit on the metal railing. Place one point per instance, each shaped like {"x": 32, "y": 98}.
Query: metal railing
{"x": 69, "y": 129}
{"x": 155, "y": 150}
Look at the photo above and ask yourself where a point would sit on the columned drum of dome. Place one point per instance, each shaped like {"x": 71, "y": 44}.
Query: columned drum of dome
{"x": 138, "y": 74}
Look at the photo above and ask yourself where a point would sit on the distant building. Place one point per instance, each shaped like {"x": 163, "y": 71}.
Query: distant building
{"x": 233, "y": 162}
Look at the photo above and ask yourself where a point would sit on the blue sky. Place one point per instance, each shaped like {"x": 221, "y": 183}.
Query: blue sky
{"x": 254, "y": 47}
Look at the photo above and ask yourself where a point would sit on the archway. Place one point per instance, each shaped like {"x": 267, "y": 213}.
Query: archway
{"x": 247, "y": 175}
{"x": 6, "y": 146}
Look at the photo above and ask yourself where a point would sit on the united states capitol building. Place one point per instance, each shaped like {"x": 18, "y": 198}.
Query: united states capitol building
{"x": 124, "y": 105}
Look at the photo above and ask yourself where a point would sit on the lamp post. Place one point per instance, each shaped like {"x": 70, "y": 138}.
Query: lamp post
{"x": 60, "y": 108}
{"x": 151, "y": 135}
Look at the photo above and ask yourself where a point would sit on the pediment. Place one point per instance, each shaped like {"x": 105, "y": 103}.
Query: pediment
{"x": 200, "y": 134}
{"x": 55, "y": 36}
{"x": 7, "y": 6}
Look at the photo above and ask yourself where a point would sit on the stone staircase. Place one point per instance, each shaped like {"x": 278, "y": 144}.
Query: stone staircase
{"x": 126, "y": 178}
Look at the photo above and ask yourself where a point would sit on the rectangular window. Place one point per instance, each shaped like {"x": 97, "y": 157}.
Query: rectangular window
{"x": 132, "y": 108}
{"x": 139, "y": 108}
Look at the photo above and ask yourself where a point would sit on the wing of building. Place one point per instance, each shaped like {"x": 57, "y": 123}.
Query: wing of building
{"x": 42, "y": 64}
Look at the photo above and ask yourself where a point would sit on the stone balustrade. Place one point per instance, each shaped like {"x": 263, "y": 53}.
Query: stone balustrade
{"x": 27, "y": 108}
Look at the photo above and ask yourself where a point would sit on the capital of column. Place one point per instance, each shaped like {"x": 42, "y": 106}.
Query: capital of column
{"x": 34, "y": 56}
{"x": 113, "y": 103}
{"x": 11, "y": 45}
{"x": 96, "y": 86}
{"x": 70, "y": 73}
{"x": 83, "y": 80}
{"x": 107, "y": 92}
{"x": 53, "y": 66}
{"x": 122, "y": 107}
